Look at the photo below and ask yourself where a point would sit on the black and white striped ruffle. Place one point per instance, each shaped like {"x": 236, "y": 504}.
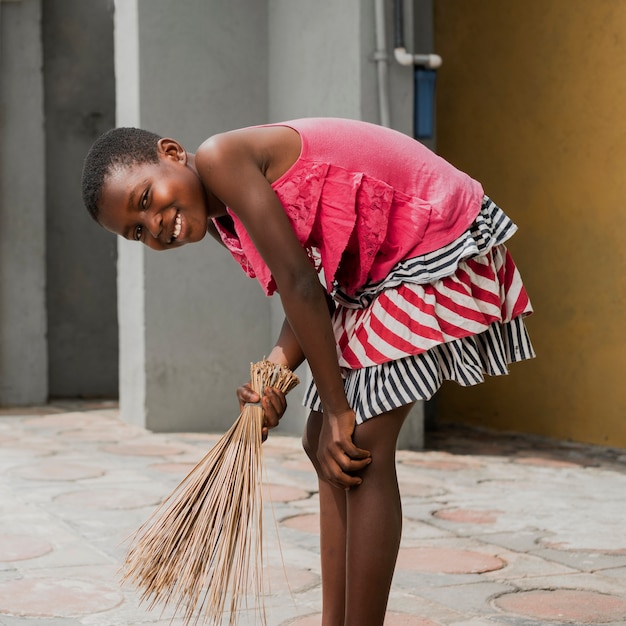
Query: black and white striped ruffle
{"x": 377, "y": 389}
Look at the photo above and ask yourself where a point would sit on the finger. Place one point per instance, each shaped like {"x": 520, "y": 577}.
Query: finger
{"x": 348, "y": 465}
{"x": 355, "y": 453}
{"x": 245, "y": 393}
{"x": 345, "y": 481}
{"x": 339, "y": 478}
{"x": 276, "y": 399}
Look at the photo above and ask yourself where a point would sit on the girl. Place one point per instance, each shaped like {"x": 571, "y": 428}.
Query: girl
{"x": 393, "y": 276}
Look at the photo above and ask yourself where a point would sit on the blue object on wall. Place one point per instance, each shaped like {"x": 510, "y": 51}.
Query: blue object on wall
{"x": 424, "y": 102}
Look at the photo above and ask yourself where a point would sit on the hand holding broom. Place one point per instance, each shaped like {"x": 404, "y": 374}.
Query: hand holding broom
{"x": 204, "y": 543}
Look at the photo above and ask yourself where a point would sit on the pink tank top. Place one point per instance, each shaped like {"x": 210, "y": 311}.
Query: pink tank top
{"x": 361, "y": 198}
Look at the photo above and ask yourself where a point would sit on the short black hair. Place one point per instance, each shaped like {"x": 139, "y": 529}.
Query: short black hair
{"x": 123, "y": 146}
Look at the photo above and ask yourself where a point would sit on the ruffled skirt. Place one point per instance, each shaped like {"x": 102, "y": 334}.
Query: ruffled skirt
{"x": 452, "y": 314}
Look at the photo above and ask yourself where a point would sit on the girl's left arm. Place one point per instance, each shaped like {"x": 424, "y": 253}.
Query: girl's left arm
{"x": 233, "y": 169}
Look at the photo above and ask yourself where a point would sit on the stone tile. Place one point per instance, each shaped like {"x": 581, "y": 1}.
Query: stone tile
{"x": 584, "y": 561}
{"x": 66, "y": 420}
{"x": 22, "y": 547}
{"x": 179, "y": 469}
{"x": 521, "y": 541}
{"x": 523, "y": 566}
{"x": 468, "y": 516}
{"x": 45, "y": 597}
{"x": 283, "y": 493}
{"x": 308, "y": 523}
{"x": 555, "y": 525}
{"x": 290, "y": 579}
{"x": 144, "y": 449}
{"x": 443, "y": 464}
{"x": 57, "y": 471}
{"x": 588, "y": 582}
{"x": 109, "y": 498}
{"x": 564, "y": 605}
{"x": 447, "y": 561}
{"x": 420, "y": 490}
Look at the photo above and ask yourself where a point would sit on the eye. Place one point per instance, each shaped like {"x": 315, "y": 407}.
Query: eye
{"x": 138, "y": 232}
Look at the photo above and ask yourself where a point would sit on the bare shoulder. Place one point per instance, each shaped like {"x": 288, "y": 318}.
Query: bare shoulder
{"x": 271, "y": 149}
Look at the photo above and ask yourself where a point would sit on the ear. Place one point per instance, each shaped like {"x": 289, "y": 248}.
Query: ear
{"x": 171, "y": 149}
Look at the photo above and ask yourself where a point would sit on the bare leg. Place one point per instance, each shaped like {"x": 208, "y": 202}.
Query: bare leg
{"x": 332, "y": 534}
{"x": 374, "y": 522}
{"x": 360, "y": 529}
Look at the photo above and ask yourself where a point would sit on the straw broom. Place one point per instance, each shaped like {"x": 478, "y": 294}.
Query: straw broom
{"x": 203, "y": 544}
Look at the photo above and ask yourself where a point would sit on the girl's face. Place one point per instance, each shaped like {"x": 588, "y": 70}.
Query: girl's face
{"x": 163, "y": 204}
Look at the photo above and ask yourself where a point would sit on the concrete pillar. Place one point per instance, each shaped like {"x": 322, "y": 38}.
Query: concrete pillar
{"x": 190, "y": 321}
{"x": 23, "y": 354}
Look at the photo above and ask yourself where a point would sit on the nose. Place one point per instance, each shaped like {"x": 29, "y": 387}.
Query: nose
{"x": 154, "y": 224}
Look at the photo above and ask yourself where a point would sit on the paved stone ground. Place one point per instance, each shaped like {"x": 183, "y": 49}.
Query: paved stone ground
{"x": 498, "y": 530}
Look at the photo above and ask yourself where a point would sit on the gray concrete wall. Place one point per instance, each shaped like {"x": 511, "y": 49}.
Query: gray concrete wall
{"x": 23, "y": 352}
{"x": 81, "y": 288}
{"x": 190, "y": 321}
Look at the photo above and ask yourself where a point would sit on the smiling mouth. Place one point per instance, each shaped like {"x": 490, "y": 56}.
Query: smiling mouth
{"x": 178, "y": 225}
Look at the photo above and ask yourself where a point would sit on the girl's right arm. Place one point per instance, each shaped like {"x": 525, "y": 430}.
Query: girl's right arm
{"x": 233, "y": 169}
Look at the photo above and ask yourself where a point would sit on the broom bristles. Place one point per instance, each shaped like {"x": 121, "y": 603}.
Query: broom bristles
{"x": 204, "y": 542}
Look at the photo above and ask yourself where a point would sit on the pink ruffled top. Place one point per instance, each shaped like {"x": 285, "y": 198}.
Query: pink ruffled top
{"x": 360, "y": 199}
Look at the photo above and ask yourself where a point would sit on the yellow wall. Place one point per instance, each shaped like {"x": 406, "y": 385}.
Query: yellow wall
{"x": 531, "y": 101}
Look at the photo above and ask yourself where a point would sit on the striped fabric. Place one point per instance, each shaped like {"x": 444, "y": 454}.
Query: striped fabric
{"x": 454, "y": 314}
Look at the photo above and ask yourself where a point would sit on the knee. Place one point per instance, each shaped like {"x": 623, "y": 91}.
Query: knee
{"x": 311, "y": 436}
{"x": 309, "y": 448}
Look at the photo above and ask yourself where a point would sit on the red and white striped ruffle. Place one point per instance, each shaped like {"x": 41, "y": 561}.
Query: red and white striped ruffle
{"x": 412, "y": 318}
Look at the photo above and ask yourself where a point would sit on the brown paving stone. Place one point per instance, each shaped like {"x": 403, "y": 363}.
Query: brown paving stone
{"x": 57, "y": 471}
{"x": 101, "y": 435}
{"x": 144, "y": 449}
{"x": 299, "y": 465}
{"x": 47, "y": 597}
{"x": 391, "y": 619}
{"x": 443, "y": 464}
{"x": 112, "y": 498}
{"x": 539, "y": 461}
{"x": 308, "y": 523}
{"x": 290, "y": 578}
{"x": 566, "y": 547}
{"x": 419, "y": 490}
{"x": 309, "y": 620}
{"x": 66, "y": 420}
{"x": 174, "y": 468}
{"x": 19, "y": 411}
{"x": 468, "y": 516}
{"x": 283, "y": 493}
{"x": 565, "y": 605}
{"x": 22, "y": 547}
{"x": 447, "y": 561}
{"x": 404, "y": 619}
{"x": 275, "y": 450}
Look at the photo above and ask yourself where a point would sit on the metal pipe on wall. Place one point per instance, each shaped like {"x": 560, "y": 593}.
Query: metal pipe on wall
{"x": 381, "y": 58}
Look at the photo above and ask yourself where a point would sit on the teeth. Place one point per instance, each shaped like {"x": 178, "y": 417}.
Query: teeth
{"x": 177, "y": 226}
